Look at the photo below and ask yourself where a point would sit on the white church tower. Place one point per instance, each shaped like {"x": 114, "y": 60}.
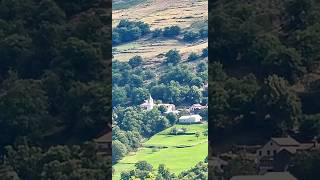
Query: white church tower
{"x": 151, "y": 104}
{"x": 148, "y": 104}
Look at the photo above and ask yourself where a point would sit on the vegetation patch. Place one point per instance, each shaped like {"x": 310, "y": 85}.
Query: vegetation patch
{"x": 175, "y": 159}
{"x": 124, "y": 4}
{"x": 173, "y": 151}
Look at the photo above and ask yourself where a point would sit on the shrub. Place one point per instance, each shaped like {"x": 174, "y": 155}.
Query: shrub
{"x": 135, "y": 61}
{"x": 171, "y": 31}
{"x": 203, "y": 33}
{"x": 193, "y": 56}
{"x": 173, "y": 56}
{"x": 205, "y": 52}
{"x": 190, "y": 36}
{"x": 157, "y": 33}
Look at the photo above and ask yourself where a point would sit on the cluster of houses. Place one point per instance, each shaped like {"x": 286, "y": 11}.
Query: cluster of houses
{"x": 104, "y": 141}
{"x": 193, "y": 117}
{"x": 272, "y": 160}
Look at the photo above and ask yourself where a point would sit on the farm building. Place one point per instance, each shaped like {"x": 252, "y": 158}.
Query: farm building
{"x": 196, "y": 118}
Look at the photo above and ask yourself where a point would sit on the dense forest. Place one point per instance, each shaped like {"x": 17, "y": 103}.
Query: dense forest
{"x": 55, "y": 93}
{"x": 264, "y": 74}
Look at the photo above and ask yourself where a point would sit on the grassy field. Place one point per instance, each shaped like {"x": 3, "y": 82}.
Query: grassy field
{"x": 176, "y": 159}
{"x": 164, "y": 139}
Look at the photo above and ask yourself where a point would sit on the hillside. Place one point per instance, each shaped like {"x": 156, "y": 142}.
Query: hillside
{"x": 172, "y": 150}
{"x": 160, "y": 52}
{"x": 160, "y": 14}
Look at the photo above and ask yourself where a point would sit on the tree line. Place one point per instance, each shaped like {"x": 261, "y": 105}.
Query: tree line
{"x": 127, "y": 31}
{"x": 144, "y": 170}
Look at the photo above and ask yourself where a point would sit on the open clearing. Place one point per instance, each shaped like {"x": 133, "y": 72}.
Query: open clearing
{"x": 149, "y": 49}
{"x": 162, "y": 13}
{"x": 177, "y": 159}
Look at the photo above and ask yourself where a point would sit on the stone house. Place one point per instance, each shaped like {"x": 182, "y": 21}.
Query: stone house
{"x": 276, "y": 153}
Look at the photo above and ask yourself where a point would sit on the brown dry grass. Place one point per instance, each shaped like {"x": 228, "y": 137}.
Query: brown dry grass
{"x": 162, "y": 13}
{"x": 150, "y": 49}
{"x": 159, "y": 14}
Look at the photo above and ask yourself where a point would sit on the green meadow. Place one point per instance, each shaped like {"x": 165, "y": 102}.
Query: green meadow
{"x": 178, "y": 152}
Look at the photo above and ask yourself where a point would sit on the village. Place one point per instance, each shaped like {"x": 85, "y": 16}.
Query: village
{"x": 191, "y": 116}
{"x": 271, "y": 159}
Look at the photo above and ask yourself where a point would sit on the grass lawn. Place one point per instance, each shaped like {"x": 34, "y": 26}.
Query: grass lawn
{"x": 176, "y": 159}
{"x": 164, "y": 139}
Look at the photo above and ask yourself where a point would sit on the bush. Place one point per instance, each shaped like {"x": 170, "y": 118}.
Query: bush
{"x": 202, "y": 67}
{"x": 129, "y": 30}
{"x": 171, "y": 31}
{"x": 203, "y": 33}
{"x": 157, "y": 33}
{"x": 193, "y": 56}
{"x": 205, "y": 52}
{"x": 173, "y": 131}
{"x": 135, "y": 61}
{"x": 190, "y": 36}
{"x": 173, "y": 56}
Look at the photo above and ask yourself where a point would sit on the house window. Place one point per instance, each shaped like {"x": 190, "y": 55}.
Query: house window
{"x": 268, "y": 152}
{"x": 274, "y": 152}
{"x": 271, "y": 144}
{"x": 260, "y": 153}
